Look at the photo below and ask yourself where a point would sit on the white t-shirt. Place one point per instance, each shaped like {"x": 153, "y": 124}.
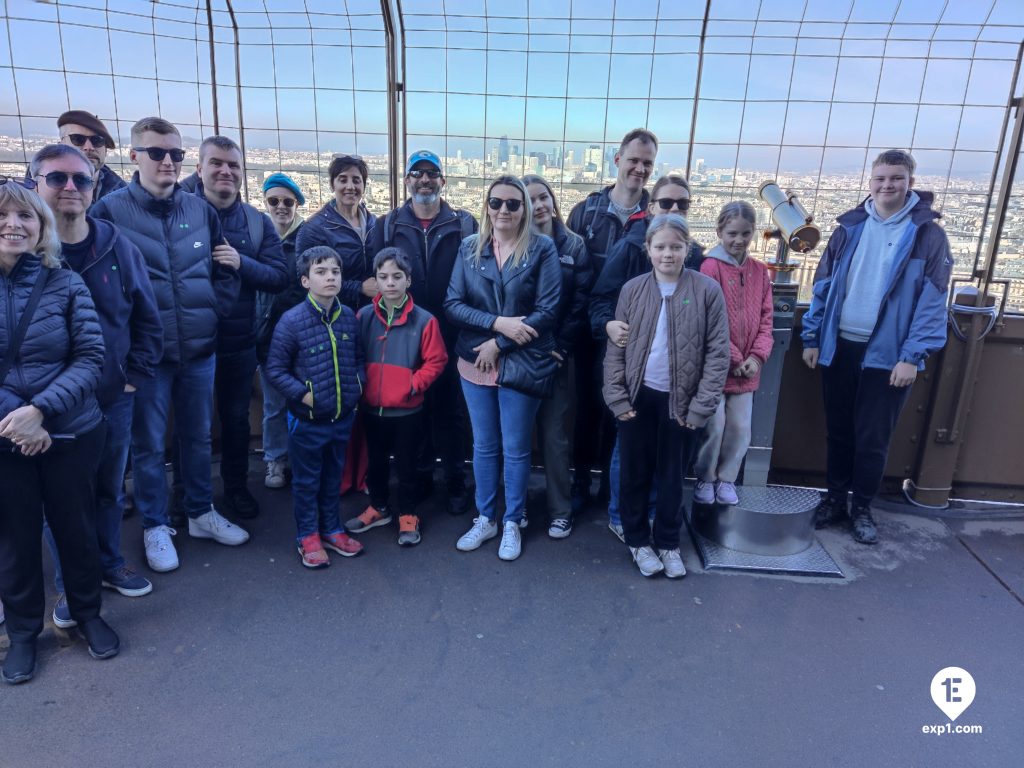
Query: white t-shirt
{"x": 657, "y": 374}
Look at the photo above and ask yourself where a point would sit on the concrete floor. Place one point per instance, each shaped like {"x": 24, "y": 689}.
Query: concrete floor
{"x": 432, "y": 657}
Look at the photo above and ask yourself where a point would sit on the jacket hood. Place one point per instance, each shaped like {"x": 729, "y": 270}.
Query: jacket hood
{"x": 719, "y": 253}
{"x": 896, "y": 218}
{"x": 296, "y": 223}
{"x": 333, "y": 217}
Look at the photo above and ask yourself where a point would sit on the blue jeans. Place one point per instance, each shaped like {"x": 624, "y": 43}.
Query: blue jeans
{"x": 316, "y": 450}
{"x": 189, "y": 387}
{"x": 233, "y": 387}
{"x": 275, "y": 421}
{"x": 502, "y": 421}
{"x": 109, "y": 489}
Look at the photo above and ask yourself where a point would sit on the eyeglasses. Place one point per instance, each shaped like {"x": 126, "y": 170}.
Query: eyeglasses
{"x": 79, "y": 140}
{"x": 666, "y": 203}
{"x": 23, "y": 183}
{"x": 59, "y": 179}
{"x": 495, "y": 203}
{"x": 157, "y": 154}
{"x": 430, "y": 173}
{"x": 287, "y": 202}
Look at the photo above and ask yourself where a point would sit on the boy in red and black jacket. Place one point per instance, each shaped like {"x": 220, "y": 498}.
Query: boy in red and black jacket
{"x": 405, "y": 354}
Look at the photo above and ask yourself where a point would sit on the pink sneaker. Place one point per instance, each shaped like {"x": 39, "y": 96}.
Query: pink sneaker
{"x": 312, "y": 552}
{"x": 341, "y": 543}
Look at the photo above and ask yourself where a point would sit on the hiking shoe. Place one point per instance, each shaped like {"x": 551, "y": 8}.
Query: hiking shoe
{"x": 648, "y": 562}
{"x": 103, "y": 641}
{"x": 864, "y": 530}
{"x": 673, "y": 562}
{"x": 370, "y": 518}
{"x": 560, "y": 528}
{"x": 725, "y": 493}
{"x": 275, "y": 477}
{"x": 312, "y": 552}
{"x": 616, "y": 528}
{"x": 161, "y": 556}
{"x": 127, "y": 582}
{"x": 213, "y": 525}
{"x": 829, "y": 510}
{"x": 482, "y": 530}
{"x": 511, "y": 542}
{"x": 62, "y": 613}
{"x": 341, "y": 543}
{"x": 408, "y": 530}
{"x": 703, "y": 492}
{"x": 238, "y": 502}
{"x": 20, "y": 664}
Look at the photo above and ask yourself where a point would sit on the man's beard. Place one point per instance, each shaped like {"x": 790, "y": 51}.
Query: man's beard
{"x": 425, "y": 198}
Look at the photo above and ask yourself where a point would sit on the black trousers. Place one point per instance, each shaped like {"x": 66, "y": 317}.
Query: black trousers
{"x": 446, "y": 427}
{"x": 398, "y": 435}
{"x": 861, "y": 411}
{"x": 594, "y": 429}
{"x": 233, "y": 384}
{"x": 652, "y": 444}
{"x": 63, "y": 480}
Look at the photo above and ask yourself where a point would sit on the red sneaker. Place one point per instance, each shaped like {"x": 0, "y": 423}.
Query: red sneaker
{"x": 341, "y": 543}
{"x": 312, "y": 552}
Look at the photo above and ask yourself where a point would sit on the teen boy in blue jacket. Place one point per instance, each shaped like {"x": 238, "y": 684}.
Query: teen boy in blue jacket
{"x": 879, "y": 309}
{"x": 316, "y": 363}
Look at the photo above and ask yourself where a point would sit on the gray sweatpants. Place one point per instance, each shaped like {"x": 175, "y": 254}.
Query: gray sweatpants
{"x": 726, "y": 439}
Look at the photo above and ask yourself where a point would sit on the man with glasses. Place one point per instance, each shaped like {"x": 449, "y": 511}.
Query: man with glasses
{"x": 430, "y": 232}
{"x": 86, "y": 132}
{"x": 177, "y": 233}
{"x": 115, "y": 273}
{"x": 251, "y": 247}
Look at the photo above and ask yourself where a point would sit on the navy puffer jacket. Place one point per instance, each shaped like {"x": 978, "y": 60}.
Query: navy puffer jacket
{"x": 318, "y": 351}
{"x": 58, "y": 366}
{"x": 176, "y": 236}
{"x": 108, "y": 182}
{"x": 328, "y": 227}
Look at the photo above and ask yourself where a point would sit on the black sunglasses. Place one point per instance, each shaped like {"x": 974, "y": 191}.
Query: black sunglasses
{"x": 287, "y": 202}
{"x": 58, "y": 180}
{"x": 157, "y": 154}
{"x": 24, "y": 183}
{"x": 430, "y": 173}
{"x": 495, "y": 203}
{"x": 666, "y": 203}
{"x": 79, "y": 140}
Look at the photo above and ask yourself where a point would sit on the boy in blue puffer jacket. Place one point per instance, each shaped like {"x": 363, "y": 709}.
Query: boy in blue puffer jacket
{"x": 316, "y": 363}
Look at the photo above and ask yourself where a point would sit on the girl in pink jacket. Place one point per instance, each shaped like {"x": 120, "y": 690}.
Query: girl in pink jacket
{"x": 748, "y": 300}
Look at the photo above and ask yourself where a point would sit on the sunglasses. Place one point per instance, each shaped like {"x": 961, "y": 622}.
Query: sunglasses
{"x": 287, "y": 202}
{"x": 495, "y": 203}
{"x": 666, "y": 203}
{"x": 80, "y": 139}
{"x": 418, "y": 173}
{"x": 157, "y": 154}
{"x": 23, "y": 183}
{"x": 58, "y": 180}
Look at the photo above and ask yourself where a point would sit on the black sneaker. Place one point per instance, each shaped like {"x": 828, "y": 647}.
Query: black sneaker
{"x": 62, "y": 613}
{"x": 829, "y": 511}
{"x": 20, "y": 664}
{"x": 103, "y": 641}
{"x": 240, "y": 503}
{"x": 127, "y": 582}
{"x": 863, "y": 525}
{"x": 178, "y": 518}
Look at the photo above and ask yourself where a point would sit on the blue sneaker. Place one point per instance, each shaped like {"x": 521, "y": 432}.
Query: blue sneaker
{"x": 127, "y": 582}
{"x": 62, "y": 614}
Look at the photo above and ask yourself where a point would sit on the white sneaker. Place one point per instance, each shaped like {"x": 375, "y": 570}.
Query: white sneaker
{"x": 725, "y": 493}
{"x": 703, "y": 493}
{"x": 511, "y": 542}
{"x": 673, "y": 562}
{"x": 160, "y": 552}
{"x": 617, "y": 530}
{"x": 648, "y": 562}
{"x": 212, "y": 525}
{"x": 482, "y": 530}
{"x": 275, "y": 477}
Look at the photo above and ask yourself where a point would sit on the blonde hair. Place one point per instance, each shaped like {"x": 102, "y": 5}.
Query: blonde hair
{"x": 737, "y": 209}
{"x": 525, "y": 223}
{"x": 48, "y": 246}
{"x": 670, "y": 221}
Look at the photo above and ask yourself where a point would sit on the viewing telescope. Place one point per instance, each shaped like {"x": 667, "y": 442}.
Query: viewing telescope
{"x": 795, "y": 227}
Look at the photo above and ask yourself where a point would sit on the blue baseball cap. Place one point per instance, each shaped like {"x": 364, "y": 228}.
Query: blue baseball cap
{"x": 281, "y": 180}
{"x": 420, "y": 156}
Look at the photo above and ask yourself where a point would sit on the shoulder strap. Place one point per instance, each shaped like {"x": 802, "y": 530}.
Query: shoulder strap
{"x": 389, "y": 228}
{"x": 23, "y": 323}
{"x": 254, "y": 220}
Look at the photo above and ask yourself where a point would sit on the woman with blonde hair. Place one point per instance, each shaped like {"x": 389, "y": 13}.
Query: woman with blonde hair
{"x": 504, "y": 296}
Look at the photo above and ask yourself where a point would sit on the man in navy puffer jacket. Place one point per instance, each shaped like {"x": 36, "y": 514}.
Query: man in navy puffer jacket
{"x": 254, "y": 249}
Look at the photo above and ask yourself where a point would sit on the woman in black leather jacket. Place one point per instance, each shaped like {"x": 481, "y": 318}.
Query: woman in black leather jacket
{"x": 504, "y": 295}
{"x": 51, "y": 431}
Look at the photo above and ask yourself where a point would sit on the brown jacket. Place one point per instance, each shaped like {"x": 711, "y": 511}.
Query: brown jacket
{"x": 698, "y": 356}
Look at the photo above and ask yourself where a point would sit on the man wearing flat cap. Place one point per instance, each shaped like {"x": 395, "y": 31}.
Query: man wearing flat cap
{"x": 80, "y": 129}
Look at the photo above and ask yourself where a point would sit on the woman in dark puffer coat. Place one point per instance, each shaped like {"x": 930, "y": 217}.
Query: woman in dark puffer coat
{"x": 51, "y": 431}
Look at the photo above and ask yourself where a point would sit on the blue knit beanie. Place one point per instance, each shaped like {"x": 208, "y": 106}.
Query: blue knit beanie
{"x": 281, "y": 180}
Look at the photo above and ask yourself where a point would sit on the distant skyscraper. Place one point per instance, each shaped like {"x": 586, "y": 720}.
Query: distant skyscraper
{"x": 458, "y": 155}
{"x": 503, "y": 149}
{"x": 592, "y": 156}
{"x": 515, "y": 149}
{"x": 570, "y": 157}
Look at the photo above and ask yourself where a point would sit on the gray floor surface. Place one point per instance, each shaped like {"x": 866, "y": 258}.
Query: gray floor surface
{"x": 432, "y": 657}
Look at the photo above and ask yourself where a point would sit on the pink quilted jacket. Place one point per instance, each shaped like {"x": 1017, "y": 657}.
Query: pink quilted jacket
{"x": 748, "y": 301}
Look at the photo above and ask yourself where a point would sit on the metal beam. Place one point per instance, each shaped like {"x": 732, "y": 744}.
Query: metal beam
{"x": 696, "y": 89}
{"x": 394, "y": 43}
{"x": 213, "y": 66}
{"x": 238, "y": 97}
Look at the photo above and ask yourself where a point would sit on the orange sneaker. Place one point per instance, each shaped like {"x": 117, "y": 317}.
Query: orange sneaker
{"x": 370, "y": 518}
{"x": 408, "y": 530}
{"x": 312, "y": 552}
{"x": 341, "y": 543}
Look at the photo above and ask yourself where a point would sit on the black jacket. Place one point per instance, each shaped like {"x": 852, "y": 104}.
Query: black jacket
{"x": 479, "y": 293}
{"x": 108, "y": 182}
{"x": 577, "y": 273}
{"x": 58, "y": 365}
{"x": 600, "y": 228}
{"x": 271, "y": 306}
